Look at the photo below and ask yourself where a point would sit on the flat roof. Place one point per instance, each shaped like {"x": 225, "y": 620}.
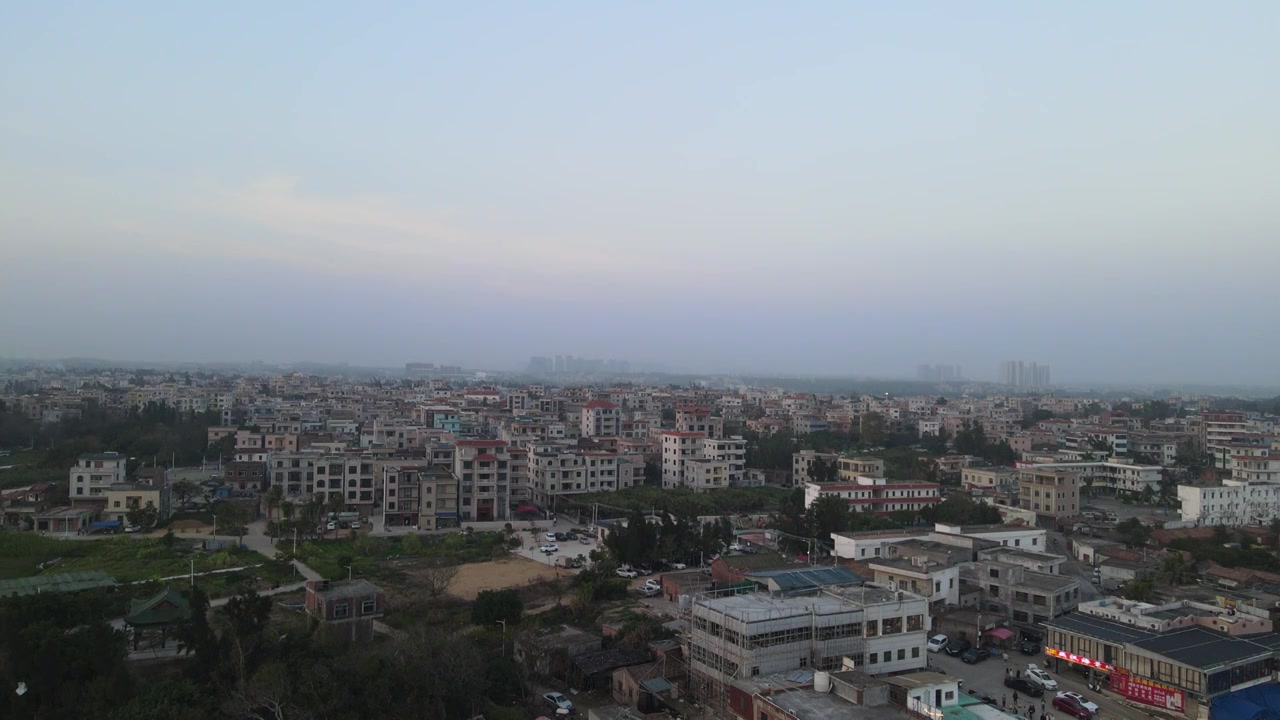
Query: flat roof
{"x": 56, "y": 582}
{"x": 1099, "y": 628}
{"x": 807, "y": 704}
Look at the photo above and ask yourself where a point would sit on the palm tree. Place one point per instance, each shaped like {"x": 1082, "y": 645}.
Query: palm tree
{"x": 1174, "y": 569}
{"x": 1147, "y": 495}
{"x": 273, "y": 499}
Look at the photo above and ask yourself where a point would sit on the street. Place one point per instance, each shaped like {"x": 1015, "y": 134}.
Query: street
{"x": 987, "y": 678}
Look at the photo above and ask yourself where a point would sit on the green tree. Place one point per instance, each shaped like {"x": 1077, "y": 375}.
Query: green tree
{"x": 829, "y": 514}
{"x": 143, "y": 517}
{"x": 493, "y": 606}
{"x": 871, "y": 429}
{"x": 1140, "y": 589}
{"x": 1134, "y": 532}
{"x": 183, "y": 491}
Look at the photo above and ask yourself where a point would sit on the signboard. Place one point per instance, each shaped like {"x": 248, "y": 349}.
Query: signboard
{"x": 1080, "y": 660}
{"x": 1148, "y": 692}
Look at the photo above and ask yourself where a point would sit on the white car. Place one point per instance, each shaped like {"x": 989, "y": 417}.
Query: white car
{"x": 678, "y": 566}
{"x": 651, "y": 583}
{"x": 550, "y": 548}
{"x": 737, "y": 547}
{"x": 355, "y": 524}
{"x": 331, "y": 526}
{"x": 550, "y": 537}
{"x": 1041, "y": 678}
{"x": 1084, "y": 701}
{"x": 558, "y": 701}
{"x": 626, "y": 572}
{"x": 936, "y": 643}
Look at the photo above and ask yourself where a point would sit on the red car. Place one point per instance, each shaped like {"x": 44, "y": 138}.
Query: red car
{"x": 1071, "y": 706}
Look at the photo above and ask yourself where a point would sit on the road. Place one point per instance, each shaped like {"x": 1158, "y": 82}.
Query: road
{"x": 987, "y": 678}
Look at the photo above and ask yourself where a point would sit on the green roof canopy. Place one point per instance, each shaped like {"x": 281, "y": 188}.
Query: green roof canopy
{"x": 169, "y": 607}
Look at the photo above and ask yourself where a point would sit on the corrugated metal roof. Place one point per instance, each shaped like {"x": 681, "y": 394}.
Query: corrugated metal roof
{"x": 809, "y": 577}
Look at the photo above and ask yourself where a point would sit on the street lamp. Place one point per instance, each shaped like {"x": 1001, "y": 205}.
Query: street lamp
{"x": 348, "y": 567}
{"x": 503, "y": 623}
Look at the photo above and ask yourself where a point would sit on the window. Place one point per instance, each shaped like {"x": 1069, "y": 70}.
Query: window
{"x": 341, "y": 610}
{"x": 902, "y": 654}
{"x": 994, "y": 572}
{"x": 873, "y": 629}
{"x": 368, "y": 607}
{"x": 873, "y": 658}
{"x": 915, "y": 652}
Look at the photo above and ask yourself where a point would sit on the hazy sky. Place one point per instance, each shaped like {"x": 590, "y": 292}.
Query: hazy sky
{"x": 809, "y": 187}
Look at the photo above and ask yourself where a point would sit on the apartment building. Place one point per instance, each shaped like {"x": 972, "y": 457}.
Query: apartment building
{"x": 732, "y": 451}
{"x": 802, "y": 465}
{"x": 246, "y": 475}
{"x": 736, "y": 637}
{"x": 600, "y": 418}
{"x": 483, "y": 468}
{"x": 878, "y": 495}
{"x": 420, "y": 495}
{"x": 295, "y": 475}
{"x": 922, "y": 567}
{"x": 698, "y": 419}
{"x": 1115, "y": 476}
{"x": 678, "y": 447}
{"x": 1053, "y": 492}
{"x": 94, "y": 473}
{"x": 705, "y": 474}
{"x": 556, "y": 471}
{"x": 1257, "y": 466}
{"x": 988, "y": 478}
{"x": 808, "y": 424}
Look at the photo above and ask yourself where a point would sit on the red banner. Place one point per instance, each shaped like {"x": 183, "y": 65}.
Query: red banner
{"x": 1148, "y": 692}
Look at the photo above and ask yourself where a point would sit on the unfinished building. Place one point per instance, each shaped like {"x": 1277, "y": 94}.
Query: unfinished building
{"x": 739, "y": 636}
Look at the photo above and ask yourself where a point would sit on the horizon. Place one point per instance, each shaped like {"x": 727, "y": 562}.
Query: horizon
{"x": 737, "y": 189}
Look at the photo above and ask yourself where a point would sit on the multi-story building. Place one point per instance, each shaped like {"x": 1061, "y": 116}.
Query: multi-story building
{"x": 601, "y": 418}
{"x": 1053, "y": 493}
{"x": 678, "y": 447}
{"x": 924, "y": 567}
{"x": 1231, "y": 503}
{"x": 704, "y": 474}
{"x": 1021, "y": 595}
{"x": 987, "y": 478}
{"x": 734, "y": 637}
{"x": 1258, "y": 466}
{"x": 698, "y": 419}
{"x": 1115, "y": 477}
{"x": 295, "y": 475}
{"x": 94, "y": 473}
{"x": 802, "y": 465}
{"x": 420, "y": 495}
{"x": 123, "y": 497}
{"x": 877, "y": 495}
{"x": 852, "y": 468}
{"x": 483, "y": 468}
{"x": 556, "y": 471}
{"x": 732, "y": 451}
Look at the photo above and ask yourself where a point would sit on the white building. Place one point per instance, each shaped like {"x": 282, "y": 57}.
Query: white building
{"x": 1114, "y": 475}
{"x": 600, "y": 418}
{"x": 95, "y": 473}
{"x": 678, "y": 447}
{"x": 558, "y": 472}
{"x": 1232, "y": 503}
{"x": 730, "y": 450}
{"x": 877, "y": 494}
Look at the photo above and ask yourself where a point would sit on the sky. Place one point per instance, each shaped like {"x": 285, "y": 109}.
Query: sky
{"x": 811, "y": 188}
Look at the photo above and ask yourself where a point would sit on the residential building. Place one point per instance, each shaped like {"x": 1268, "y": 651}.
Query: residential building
{"x": 988, "y": 478}
{"x": 245, "y": 475}
{"x": 738, "y": 637}
{"x": 483, "y": 469}
{"x": 1050, "y": 493}
{"x": 677, "y": 448}
{"x": 878, "y": 495}
{"x": 556, "y": 471}
{"x": 123, "y": 497}
{"x": 698, "y": 419}
{"x": 923, "y": 567}
{"x": 802, "y": 465}
{"x": 1113, "y": 477}
{"x": 347, "y": 610}
{"x": 601, "y": 418}
{"x": 808, "y": 424}
{"x": 732, "y": 451}
{"x": 852, "y": 468}
{"x": 94, "y": 473}
{"x": 704, "y": 474}
{"x": 1021, "y": 595}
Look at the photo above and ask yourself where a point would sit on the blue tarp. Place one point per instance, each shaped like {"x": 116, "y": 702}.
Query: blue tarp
{"x": 1260, "y": 702}
{"x": 105, "y": 524}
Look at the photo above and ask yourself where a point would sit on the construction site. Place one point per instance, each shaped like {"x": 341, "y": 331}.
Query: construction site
{"x": 735, "y": 636}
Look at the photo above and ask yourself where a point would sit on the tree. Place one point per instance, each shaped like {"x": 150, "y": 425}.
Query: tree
{"x": 823, "y": 471}
{"x": 232, "y": 519}
{"x": 872, "y": 429}
{"x": 1221, "y": 535}
{"x": 273, "y": 499}
{"x": 828, "y": 514}
{"x": 1147, "y": 496}
{"x": 1133, "y": 532}
{"x": 1174, "y": 570}
{"x": 247, "y": 616}
{"x": 1140, "y": 589}
{"x": 1273, "y": 532}
{"x": 143, "y": 517}
{"x": 184, "y": 490}
{"x": 436, "y": 578}
{"x": 492, "y": 606}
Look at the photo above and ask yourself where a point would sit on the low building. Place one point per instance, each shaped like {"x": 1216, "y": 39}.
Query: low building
{"x": 93, "y": 473}
{"x": 877, "y": 495}
{"x": 246, "y": 474}
{"x": 1020, "y": 595}
{"x": 347, "y": 610}
{"x": 66, "y": 520}
{"x": 1175, "y": 657}
{"x": 124, "y": 497}
{"x": 988, "y": 478}
{"x": 1232, "y": 502}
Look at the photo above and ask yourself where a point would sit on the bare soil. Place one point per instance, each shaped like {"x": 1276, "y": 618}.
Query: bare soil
{"x": 512, "y": 572}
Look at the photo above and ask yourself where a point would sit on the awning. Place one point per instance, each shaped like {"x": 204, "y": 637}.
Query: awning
{"x": 105, "y": 524}
{"x": 999, "y": 633}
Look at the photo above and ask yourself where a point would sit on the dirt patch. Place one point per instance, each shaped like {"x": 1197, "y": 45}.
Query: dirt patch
{"x": 511, "y": 572}
{"x": 187, "y": 525}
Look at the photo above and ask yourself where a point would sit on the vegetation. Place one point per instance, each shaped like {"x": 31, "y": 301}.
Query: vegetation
{"x": 1134, "y": 532}
{"x": 686, "y": 503}
{"x": 675, "y": 539}
{"x": 124, "y": 558}
{"x": 365, "y": 554}
{"x": 972, "y": 440}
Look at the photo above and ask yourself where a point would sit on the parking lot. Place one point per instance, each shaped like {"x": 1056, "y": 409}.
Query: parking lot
{"x": 987, "y": 678}
{"x": 531, "y": 544}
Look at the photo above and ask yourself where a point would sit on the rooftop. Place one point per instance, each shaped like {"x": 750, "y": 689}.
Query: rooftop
{"x": 354, "y": 589}
{"x": 808, "y": 704}
{"x": 1202, "y": 648}
{"x": 806, "y": 578}
{"x": 57, "y": 582}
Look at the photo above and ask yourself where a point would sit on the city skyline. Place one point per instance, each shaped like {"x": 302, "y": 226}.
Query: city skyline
{"x": 725, "y": 188}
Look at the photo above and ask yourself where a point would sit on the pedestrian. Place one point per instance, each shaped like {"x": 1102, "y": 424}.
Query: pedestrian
{"x": 1004, "y": 701}
{"x": 1015, "y": 698}
{"x": 1006, "y": 658}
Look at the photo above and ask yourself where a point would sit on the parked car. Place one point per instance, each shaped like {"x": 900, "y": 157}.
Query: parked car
{"x": 1080, "y": 700}
{"x": 974, "y": 655}
{"x": 958, "y": 647}
{"x": 558, "y": 701}
{"x": 355, "y": 524}
{"x": 1029, "y": 647}
{"x": 644, "y": 570}
{"x": 678, "y": 566}
{"x": 561, "y": 537}
{"x": 737, "y": 547}
{"x": 1041, "y": 678}
{"x": 626, "y": 572}
{"x": 646, "y": 591}
{"x": 1071, "y": 706}
{"x": 571, "y": 535}
{"x": 651, "y": 583}
{"x": 549, "y": 537}
{"x": 584, "y": 539}
{"x": 550, "y": 548}
{"x": 1024, "y": 686}
{"x": 331, "y": 526}
{"x": 936, "y": 643}
{"x": 132, "y": 528}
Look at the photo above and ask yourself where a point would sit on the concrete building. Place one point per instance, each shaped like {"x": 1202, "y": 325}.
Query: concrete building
{"x": 1049, "y": 493}
{"x": 732, "y": 451}
{"x": 1112, "y": 477}
{"x": 1020, "y": 595}
{"x": 988, "y": 478}
{"x": 94, "y": 473}
{"x": 802, "y": 465}
{"x": 739, "y": 637}
{"x": 601, "y": 418}
{"x": 346, "y": 610}
{"x": 700, "y": 420}
{"x": 1231, "y": 503}
{"x": 123, "y": 497}
{"x": 483, "y": 469}
{"x": 922, "y": 567}
{"x": 556, "y": 471}
{"x": 877, "y": 495}
{"x": 677, "y": 448}
{"x": 852, "y": 468}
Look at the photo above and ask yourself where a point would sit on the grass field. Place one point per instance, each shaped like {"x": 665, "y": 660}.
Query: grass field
{"x": 367, "y": 555}
{"x": 132, "y": 559}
